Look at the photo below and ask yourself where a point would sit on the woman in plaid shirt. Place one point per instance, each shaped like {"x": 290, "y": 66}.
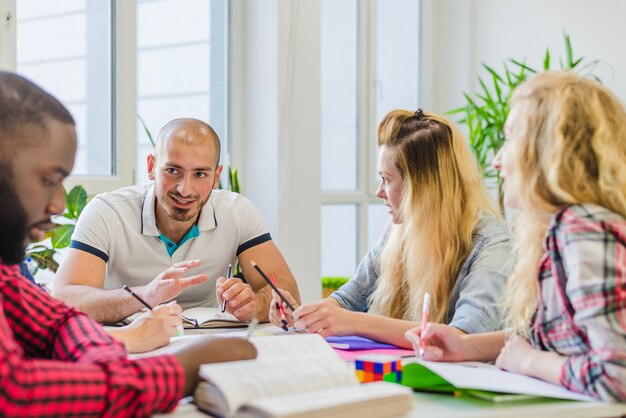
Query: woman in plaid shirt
{"x": 563, "y": 169}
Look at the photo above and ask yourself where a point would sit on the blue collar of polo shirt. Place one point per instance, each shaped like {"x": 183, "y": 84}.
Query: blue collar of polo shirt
{"x": 171, "y": 246}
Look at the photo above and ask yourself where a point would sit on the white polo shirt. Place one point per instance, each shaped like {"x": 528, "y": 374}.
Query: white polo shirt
{"x": 120, "y": 228}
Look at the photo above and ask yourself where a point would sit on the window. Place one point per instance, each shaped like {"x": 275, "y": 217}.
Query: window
{"x": 369, "y": 66}
{"x": 109, "y": 61}
{"x": 181, "y": 68}
{"x": 66, "y": 48}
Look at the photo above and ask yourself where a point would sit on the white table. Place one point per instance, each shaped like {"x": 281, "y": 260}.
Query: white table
{"x": 428, "y": 405}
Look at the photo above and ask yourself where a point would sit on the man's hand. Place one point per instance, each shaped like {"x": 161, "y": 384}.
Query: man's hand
{"x": 207, "y": 349}
{"x": 241, "y": 300}
{"x": 153, "y": 329}
{"x": 167, "y": 285}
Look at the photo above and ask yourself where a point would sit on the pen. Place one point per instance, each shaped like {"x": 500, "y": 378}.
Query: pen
{"x": 425, "y": 310}
{"x": 251, "y": 326}
{"x": 230, "y": 267}
{"x": 279, "y": 306}
{"x": 255, "y": 265}
{"x": 194, "y": 322}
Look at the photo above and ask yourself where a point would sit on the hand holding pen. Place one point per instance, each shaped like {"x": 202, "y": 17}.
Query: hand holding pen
{"x": 236, "y": 296}
{"x": 279, "y": 306}
{"x": 230, "y": 268}
{"x": 281, "y": 300}
{"x": 171, "y": 309}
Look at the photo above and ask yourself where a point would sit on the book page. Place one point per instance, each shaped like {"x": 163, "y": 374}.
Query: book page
{"x": 279, "y": 347}
{"x": 212, "y": 317}
{"x": 378, "y": 399}
{"x": 241, "y": 381}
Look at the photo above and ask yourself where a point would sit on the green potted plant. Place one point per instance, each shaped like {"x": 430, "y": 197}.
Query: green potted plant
{"x": 485, "y": 112}
{"x": 332, "y": 283}
{"x": 61, "y": 235}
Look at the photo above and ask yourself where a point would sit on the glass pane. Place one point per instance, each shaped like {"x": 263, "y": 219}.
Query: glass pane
{"x": 339, "y": 81}
{"x": 66, "y": 48}
{"x": 181, "y": 71}
{"x": 397, "y": 55}
{"x": 377, "y": 218}
{"x": 339, "y": 240}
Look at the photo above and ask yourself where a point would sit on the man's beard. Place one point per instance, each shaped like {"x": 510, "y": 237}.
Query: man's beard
{"x": 13, "y": 219}
{"x": 184, "y": 215}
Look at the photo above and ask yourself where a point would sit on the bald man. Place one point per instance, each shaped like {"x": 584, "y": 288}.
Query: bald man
{"x": 172, "y": 238}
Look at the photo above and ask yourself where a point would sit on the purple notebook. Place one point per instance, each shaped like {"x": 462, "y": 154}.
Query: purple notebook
{"x": 356, "y": 343}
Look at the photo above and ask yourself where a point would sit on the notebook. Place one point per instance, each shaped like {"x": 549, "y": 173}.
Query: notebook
{"x": 297, "y": 375}
{"x": 205, "y": 317}
{"x": 480, "y": 380}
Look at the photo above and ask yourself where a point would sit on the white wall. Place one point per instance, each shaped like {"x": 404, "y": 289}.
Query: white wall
{"x": 276, "y": 125}
{"x": 457, "y": 36}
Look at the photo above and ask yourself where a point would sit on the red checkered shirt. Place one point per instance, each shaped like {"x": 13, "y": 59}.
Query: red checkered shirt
{"x": 56, "y": 361}
{"x": 582, "y": 304}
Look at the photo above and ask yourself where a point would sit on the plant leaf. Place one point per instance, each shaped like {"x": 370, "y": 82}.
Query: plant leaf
{"x": 522, "y": 65}
{"x": 569, "y": 54}
{"x": 546, "y": 60}
{"x": 75, "y": 201}
{"x": 63, "y": 236}
{"x": 145, "y": 128}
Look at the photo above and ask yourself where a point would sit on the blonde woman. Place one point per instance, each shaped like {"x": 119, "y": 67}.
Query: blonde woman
{"x": 445, "y": 238}
{"x": 563, "y": 167}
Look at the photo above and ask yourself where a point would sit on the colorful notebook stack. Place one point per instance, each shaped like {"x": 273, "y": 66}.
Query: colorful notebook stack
{"x": 378, "y": 367}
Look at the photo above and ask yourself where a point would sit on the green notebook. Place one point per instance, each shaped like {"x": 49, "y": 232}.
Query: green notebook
{"x": 481, "y": 381}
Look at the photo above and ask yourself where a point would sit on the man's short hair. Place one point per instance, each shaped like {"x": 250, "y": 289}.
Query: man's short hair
{"x": 24, "y": 106}
{"x": 202, "y": 131}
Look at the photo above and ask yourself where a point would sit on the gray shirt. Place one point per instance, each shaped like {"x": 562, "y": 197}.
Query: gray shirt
{"x": 476, "y": 301}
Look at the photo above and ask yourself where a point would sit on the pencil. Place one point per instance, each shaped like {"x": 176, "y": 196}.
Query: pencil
{"x": 255, "y": 265}
{"x": 192, "y": 321}
{"x": 136, "y": 296}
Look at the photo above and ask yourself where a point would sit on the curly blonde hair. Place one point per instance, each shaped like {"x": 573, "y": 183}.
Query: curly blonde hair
{"x": 569, "y": 142}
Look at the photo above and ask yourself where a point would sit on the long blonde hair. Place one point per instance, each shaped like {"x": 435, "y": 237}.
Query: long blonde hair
{"x": 570, "y": 148}
{"x": 443, "y": 198}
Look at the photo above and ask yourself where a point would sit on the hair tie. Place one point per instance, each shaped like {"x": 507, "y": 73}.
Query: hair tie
{"x": 419, "y": 114}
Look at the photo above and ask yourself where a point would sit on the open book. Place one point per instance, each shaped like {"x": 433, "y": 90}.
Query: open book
{"x": 295, "y": 376}
{"x": 204, "y": 317}
{"x": 201, "y": 317}
{"x": 481, "y": 380}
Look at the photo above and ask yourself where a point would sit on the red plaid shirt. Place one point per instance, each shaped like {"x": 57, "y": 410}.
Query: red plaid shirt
{"x": 56, "y": 361}
{"x": 582, "y": 305}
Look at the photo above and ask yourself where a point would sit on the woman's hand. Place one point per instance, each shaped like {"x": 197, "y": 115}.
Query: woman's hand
{"x": 325, "y": 317}
{"x": 274, "y": 311}
{"x": 440, "y": 342}
{"x": 519, "y": 356}
{"x": 516, "y": 355}
{"x": 151, "y": 330}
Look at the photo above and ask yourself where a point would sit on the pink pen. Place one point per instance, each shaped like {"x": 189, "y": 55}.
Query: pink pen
{"x": 425, "y": 310}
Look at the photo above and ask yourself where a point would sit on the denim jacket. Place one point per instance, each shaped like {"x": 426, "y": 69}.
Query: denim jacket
{"x": 476, "y": 301}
